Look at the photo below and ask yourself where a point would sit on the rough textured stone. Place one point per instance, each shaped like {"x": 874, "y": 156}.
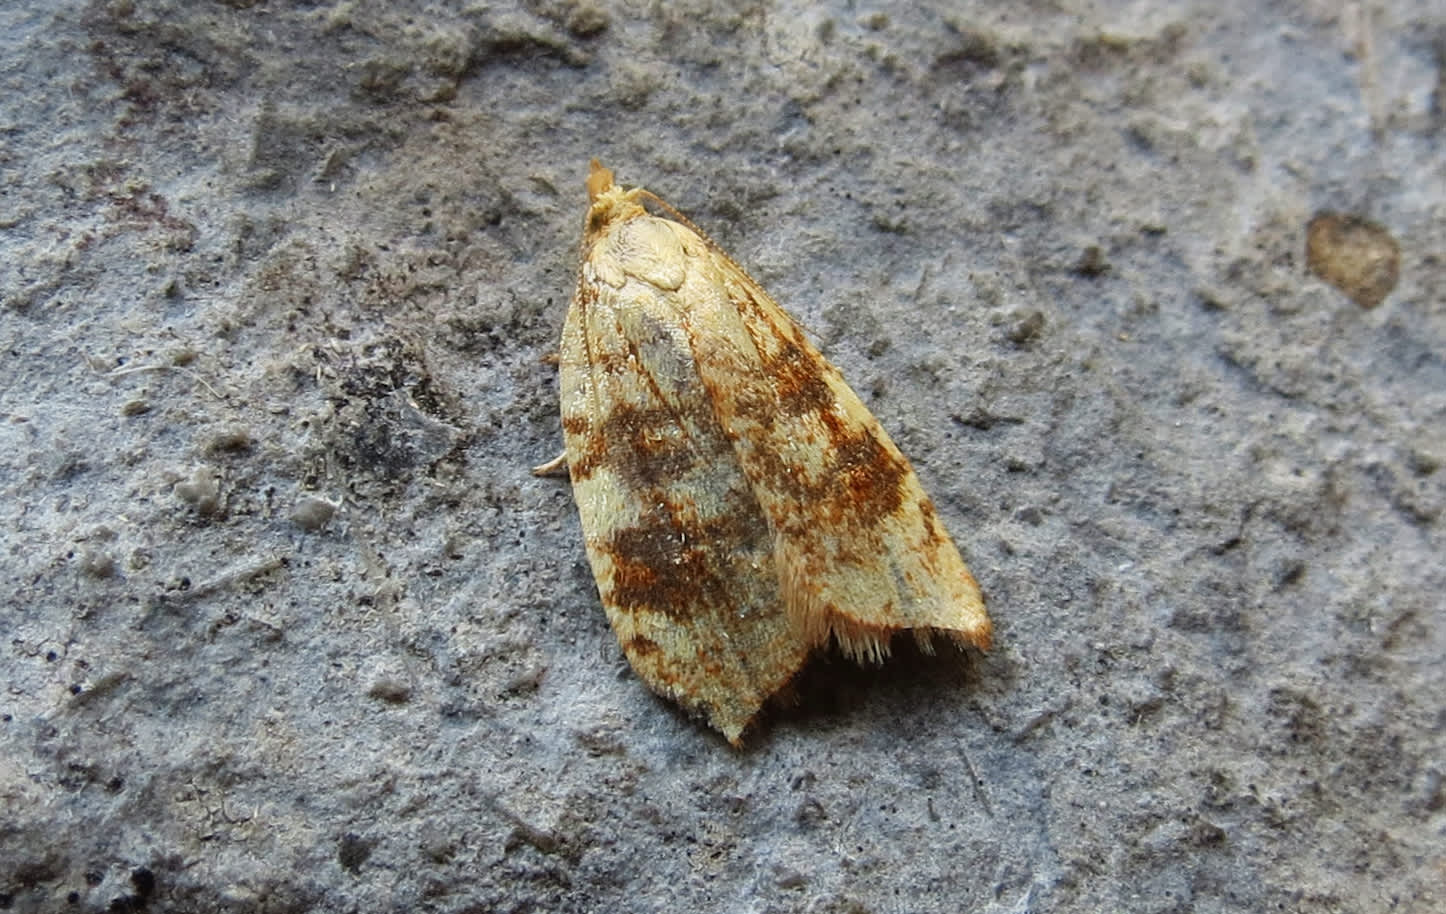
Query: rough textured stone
{"x": 262, "y": 255}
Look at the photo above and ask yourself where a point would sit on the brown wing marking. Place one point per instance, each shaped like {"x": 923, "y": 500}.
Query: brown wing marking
{"x": 860, "y": 550}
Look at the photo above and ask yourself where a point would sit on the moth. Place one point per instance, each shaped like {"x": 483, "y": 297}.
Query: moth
{"x": 741, "y": 508}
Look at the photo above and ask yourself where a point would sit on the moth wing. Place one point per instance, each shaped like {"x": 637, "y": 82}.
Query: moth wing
{"x": 860, "y": 550}
{"x": 681, "y": 550}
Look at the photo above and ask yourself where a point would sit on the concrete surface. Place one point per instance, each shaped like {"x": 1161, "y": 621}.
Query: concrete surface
{"x": 290, "y": 627}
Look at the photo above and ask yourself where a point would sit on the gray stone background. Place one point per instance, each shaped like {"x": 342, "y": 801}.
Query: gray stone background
{"x": 288, "y": 626}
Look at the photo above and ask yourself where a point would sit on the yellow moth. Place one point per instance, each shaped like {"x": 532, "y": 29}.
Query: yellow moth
{"x": 740, "y": 505}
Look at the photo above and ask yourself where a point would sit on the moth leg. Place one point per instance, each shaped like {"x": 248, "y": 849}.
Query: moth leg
{"x": 557, "y": 466}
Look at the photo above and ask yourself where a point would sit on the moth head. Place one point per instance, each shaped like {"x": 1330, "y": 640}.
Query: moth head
{"x": 599, "y": 180}
{"x": 608, "y": 203}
